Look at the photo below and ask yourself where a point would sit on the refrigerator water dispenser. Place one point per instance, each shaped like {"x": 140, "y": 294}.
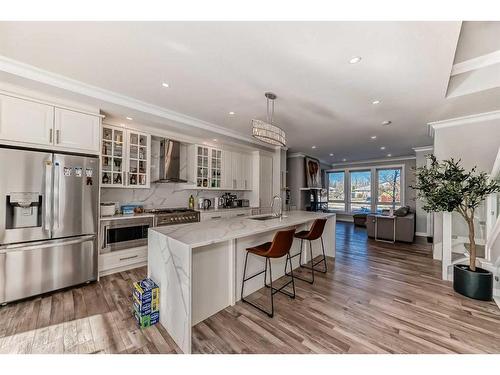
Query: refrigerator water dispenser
{"x": 23, "y": 210}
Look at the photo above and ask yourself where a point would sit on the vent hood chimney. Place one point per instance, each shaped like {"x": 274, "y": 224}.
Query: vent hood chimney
{"x": 170, "y": 161}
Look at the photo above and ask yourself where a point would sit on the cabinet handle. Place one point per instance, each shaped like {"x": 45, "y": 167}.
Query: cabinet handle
{"x": 234, "y": 183}
{"x": 215, "y": 217}
{"x": 127, "y": 258}
{"x": 57, "y": 136}
{"x": 241, "y": 215}
{"x": 50, "y": 136}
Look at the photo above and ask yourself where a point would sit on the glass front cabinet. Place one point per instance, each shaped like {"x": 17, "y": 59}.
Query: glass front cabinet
{"x": 125, "y": 158}
{"x": 208, "y": 167}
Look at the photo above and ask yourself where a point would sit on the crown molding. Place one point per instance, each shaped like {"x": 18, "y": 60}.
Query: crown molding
{"x": 476, "y": 63}
{"x": 396, "y": 158}
{"x": 457, "y": 121}
{"x": 33, "y": 73}
{"x": 423, "y": 148}
{"x": 296, "y": 155}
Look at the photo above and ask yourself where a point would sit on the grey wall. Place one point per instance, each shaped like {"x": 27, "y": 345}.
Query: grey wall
{"x": 421, "y": 215}
{"x": 296, "y": 179}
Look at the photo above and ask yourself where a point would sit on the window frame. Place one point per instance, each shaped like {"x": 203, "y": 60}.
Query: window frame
{"x": 345, "y": 194}
{"x": 373, "y": 183}
{"x": 401, "y": 187}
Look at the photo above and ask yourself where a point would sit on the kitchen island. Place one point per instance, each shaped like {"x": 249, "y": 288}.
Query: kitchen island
{"x": 199, "y": 266}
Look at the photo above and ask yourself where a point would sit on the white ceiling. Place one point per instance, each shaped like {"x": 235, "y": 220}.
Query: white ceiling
{"x": 216, "y": 67}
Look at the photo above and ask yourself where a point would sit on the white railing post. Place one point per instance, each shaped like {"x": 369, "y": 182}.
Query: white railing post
{"x": 447, "y": 240}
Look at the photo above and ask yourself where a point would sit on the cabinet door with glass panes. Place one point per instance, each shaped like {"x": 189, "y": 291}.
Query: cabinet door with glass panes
{"x": 215, "y": 168}
{"x": 112, "y": 159}
{"x": 202, "y": 166}
{"x": 138, "y": 149}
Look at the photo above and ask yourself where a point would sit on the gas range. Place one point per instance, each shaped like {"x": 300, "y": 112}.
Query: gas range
{"x": 170, "y": 216}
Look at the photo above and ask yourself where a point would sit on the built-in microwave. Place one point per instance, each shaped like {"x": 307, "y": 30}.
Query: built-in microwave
{"x": 124, "y": 233}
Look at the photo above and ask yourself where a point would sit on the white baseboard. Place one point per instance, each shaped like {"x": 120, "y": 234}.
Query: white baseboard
{"x": 421, "y": 234}
{"x": 497, "y": 301}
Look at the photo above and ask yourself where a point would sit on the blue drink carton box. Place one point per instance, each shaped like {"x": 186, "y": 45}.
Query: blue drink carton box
{"x": 146, "y": 290}
{"x": 147, "y": 320}
{"x": 146, "y": 301}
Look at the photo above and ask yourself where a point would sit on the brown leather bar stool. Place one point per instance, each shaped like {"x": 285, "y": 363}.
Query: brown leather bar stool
{"x": 316, "y": 232}
{"x": 279, "y": 247}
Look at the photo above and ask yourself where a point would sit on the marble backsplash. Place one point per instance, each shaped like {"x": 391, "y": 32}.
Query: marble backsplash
{"x": 159, "y": 195}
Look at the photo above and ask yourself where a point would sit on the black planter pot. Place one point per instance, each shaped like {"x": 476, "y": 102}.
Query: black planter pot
{"x": 477, "y": 285}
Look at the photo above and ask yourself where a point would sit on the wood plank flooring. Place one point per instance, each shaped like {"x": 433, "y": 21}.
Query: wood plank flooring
{"x": 376, "y": 298}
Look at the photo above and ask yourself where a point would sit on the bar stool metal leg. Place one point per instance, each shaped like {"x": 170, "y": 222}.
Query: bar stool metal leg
{"x": 270, "y": 285}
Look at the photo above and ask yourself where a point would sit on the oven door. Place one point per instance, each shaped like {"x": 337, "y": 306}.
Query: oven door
{"x": 119, "y": 234}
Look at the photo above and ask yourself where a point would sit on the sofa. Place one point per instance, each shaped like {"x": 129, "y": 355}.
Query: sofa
{"x": 405, "y": 227}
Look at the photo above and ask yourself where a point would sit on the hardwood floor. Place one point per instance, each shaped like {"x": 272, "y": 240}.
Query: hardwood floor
{"x": 376, "y": 298}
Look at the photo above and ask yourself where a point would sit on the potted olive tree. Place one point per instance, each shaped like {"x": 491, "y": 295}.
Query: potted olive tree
{"x": 447, "y": 186}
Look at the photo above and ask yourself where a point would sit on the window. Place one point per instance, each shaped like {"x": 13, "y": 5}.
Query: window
{"x": 361, "y": 191}
{"x": 388, "y": 188}
{"x": 336, "y": 191}
{"x": 366, "y": 189}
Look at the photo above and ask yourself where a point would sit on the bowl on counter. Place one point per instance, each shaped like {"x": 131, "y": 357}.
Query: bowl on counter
{"x": 108, "y": 208}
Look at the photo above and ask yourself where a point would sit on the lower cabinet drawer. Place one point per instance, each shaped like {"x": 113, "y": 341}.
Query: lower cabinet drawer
{"x": 122, "y": 260}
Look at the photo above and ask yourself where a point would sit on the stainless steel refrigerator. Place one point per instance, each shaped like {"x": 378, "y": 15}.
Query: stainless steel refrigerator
{"x": 48, "y": 221}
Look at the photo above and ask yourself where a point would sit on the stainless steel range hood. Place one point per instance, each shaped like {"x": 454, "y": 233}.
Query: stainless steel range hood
{"x": 170, "y": 161}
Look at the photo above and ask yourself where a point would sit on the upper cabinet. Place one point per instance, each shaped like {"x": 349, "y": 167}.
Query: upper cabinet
{"x": 208, "y": 167}
{"x": 125, "y": 158}
{"x": 75, "y": 130}
{"x": 28, "y": 123}
{"x": 237, "y": 171}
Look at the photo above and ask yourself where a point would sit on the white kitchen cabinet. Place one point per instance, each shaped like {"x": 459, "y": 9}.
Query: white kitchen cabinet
{"x": 125, "y": 158}
{"x": 33, "y": 124}
{"x": 225, "y": 214}
{"x": 137, "y": 159}
{"x": 247, "y": 169}
{"x": 25, "y": 121}
{"x": 76, "y": 131}
{"x": 208, "y": 163}
{"x": 238, "y": 171}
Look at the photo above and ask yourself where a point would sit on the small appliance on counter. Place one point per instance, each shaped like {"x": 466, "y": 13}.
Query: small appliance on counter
{"x": 108, "y": 208}
{"x": 242, "y": 203}
{"x": 228, "y": 200}
{"x": 204, "y": 203}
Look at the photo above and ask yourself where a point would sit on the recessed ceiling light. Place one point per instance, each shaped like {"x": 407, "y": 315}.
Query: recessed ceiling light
{"x": 355, "y": 60}
{"x": 165, "y": 84}
{"x": 129, "y": 118}
{"x": 376, "y": 102}
{"x": 373, "y": 137}
{"x": 389, "y": 155}
{"x": 387, "y": 122}
{"x": 382, "y": 148}
{"x": 231, "y": 113}
{"x": 215, "y": 139}
{"x": 331, "y": 154}
{"x": 313, "y": 147}
{"x": 344, "y": 159}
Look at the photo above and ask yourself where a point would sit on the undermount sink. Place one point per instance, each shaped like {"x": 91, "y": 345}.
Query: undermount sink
{"x": 267, "y": 217}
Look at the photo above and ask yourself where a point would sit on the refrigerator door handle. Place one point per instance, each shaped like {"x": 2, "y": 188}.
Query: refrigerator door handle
{"x": 44, "y": 244}
{"x": 48, "y": 193}
{"x": 57, "y": 183}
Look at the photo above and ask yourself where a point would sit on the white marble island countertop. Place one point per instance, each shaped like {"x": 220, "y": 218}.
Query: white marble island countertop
{"x": 215, "y": 231}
